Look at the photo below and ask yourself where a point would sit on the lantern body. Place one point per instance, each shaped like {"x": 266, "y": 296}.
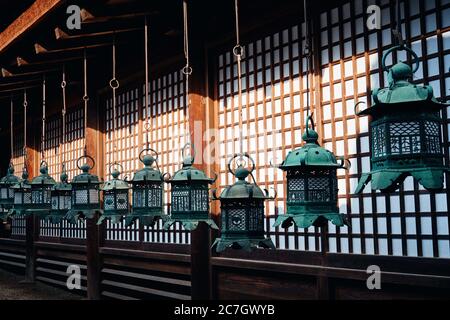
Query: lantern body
{"x": 148, "y": 193}
{"x": 61, "y": 200}
{"x": 242, "y": 215}
{"x": 22, "y": 196}
{"x": 115, "y": 199}
{"x": 41, "y": 188}
{"x": 312, "y": 193}
{"x": 190, "y": 197}
{"x": 7, "y": 192}
{"x": 405, "y": 133}
{"x": 85, "y": 200}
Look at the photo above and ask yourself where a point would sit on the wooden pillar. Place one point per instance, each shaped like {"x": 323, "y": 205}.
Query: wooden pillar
{"x": 94, "y": 148}
{"x": 32, "y": 222}
{"x": 198, "y": 122}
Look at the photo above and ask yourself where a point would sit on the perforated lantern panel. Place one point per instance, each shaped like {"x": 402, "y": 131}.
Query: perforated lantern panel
{"x": 27, "y": 197}
{"x": 122, "y": 200}
{"x": 154, "y": 197}
{"x": 93, "y": 196}
{"x": 81, "y": 196}
{"x": 138, "y": 197}
{"x": 109, "y": 201}
{"x": 236, "y": 219}
{"x": 4, "y": 193}
{"x": 319, "y": 189}
{"x": 296, "y": 187}
{"x": 181, "y": 199}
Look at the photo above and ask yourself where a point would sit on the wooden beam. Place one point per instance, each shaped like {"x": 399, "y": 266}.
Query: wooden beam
{"x": 26, "y": 21}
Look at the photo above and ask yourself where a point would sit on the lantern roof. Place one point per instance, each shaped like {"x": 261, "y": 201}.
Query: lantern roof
{"x": 401, "y": 92}
{"x": 23, "y": 183}
{"x": 311, "y": 154}
{"x": 44, "y": 178}
{"x": 190, "y": 173}
{"x": 148, "y": 173}
{"x": 85, "y": 177}
{"x": 115, "y": 183}
{"x": 10, "y": 178}
{"x": 242, "y": 189}
{"x": 63, "y": 184}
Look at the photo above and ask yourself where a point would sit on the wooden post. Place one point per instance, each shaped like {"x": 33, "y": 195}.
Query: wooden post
{"x": 198, "y": 115}
{"x": 32, "y": 222}
{"x": 94, "y": 148}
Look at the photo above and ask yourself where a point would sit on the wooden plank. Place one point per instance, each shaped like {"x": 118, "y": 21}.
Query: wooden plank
{"x": 164, "y": 256}
{"x": 27, "y": 20}
{"x": 146, "y": 277}
{"x": 150, "y": 291}
{"x": 147, "y": 265}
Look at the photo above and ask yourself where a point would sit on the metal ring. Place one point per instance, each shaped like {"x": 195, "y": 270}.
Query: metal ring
{"x": 25, "y": 104}
{"x": 400, "y": 48}
{"x": 148, "y": 149}
{"x": 168, "y": 179}
{"x": 345, "y": 163}
{"x": 114, "y": 83}
{"x": 115, "y": 163}
{"x": 85, "y": 157}
{"x": 63, "y": 84}
{"x": 357, "y": 112}
{"x": 43, "y": 162}
{"x": 147, "y": 126}
{"x": 187, "y": 70}
{"x": 86, "y": 97}
{"x": 191, "y": 146}
{"x": 241, "y": 155}
{"x": 238, "y": 50}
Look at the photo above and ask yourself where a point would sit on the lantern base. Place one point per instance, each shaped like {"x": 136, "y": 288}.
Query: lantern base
{"x": 19, "y": 212}
{"x": 389, "y": 180}
{"x": 308, "y": 220}
{"x": 147, "y": 218}
{"x": 114, "y": 218}
{"x": 247, "y": 244}
{"x": 73, "y": 216}
{"x": 4, "y": 216}
{"x": 190, "y": 224}
{"x": 54, "y": 218}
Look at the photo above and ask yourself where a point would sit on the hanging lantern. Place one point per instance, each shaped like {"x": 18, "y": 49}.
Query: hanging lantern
{"x": 312, "y": 193}
{"x": 242, "y": 211}
{"x": 85, "y": 193}
{"x": 148, "y": 192}
{"x": 190, "y": 195}
{"x": 405, "y": 132}
{"x": 115, "y": 197}
{"x": 61, "y": 199}
{"x": 7, "y": 192}
{"x": 41, "y": 188}
{"x": 22, "y": 195}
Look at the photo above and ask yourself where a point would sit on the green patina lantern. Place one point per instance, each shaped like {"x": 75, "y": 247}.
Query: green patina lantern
{"x": 148, "y": 192}
{"x": 242, "y": 211}
{"x": 190, "y": 195}
{"x": 61, "y": 199}
{"x": 405, "y": 132}
{"x": 41, "y": 188}
{"x": 22, "y": 195}
{"x": 7, "y": 192}
{"x": 116, "y": 196}
{"x": 85, "y": 193}
{"x": 312, "y": 193}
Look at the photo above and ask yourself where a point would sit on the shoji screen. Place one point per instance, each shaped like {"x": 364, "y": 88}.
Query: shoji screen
{"x": 73, "y": 150}
{"x": 167, "y": 136}
{"x": 18, "y": 224}
{"x": 411, "y": 222}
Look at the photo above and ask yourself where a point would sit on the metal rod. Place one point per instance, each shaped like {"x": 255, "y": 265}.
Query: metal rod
{"x": 43, "y": 119}
{"x": 68, "y": 49}
{"x": 61, "y": 35}
{"x": 147, "y": 107}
